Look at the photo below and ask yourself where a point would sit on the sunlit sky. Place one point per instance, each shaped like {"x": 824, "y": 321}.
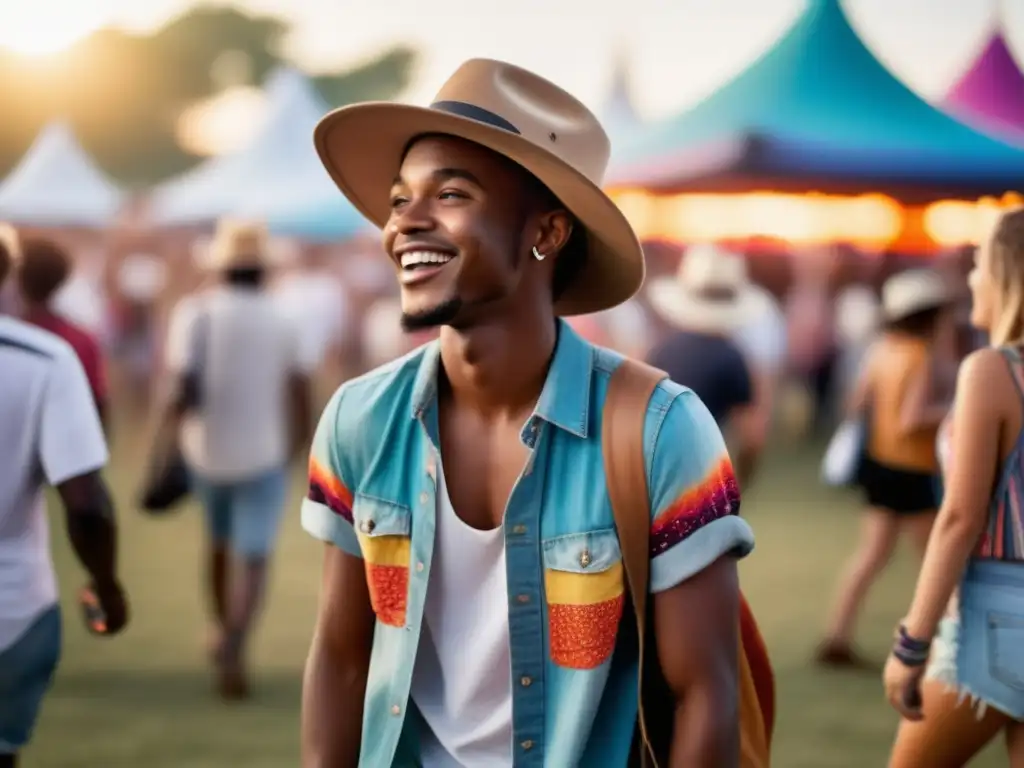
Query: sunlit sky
{"x": 678, "y": 51}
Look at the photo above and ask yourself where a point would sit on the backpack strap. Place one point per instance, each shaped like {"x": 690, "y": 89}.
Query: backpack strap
{"x": 622, "y": 443}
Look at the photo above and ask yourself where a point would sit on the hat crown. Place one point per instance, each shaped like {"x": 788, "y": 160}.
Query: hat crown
{"x": 517, "y": 100}
{"x": 912, "y": 291}
{"x": 706, "y": 267}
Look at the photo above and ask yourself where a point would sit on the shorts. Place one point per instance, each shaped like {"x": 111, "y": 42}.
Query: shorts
{"x": 901, "y": 491}
{"x": 26, "y": 671}
{"x": 990, "y": 642}
{"x": 244, "y": 514}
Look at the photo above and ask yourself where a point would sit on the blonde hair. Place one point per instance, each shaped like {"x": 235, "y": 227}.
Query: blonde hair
{"x": 1006, "y": 263}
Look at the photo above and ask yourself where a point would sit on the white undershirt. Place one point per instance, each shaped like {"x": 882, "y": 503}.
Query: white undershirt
{"x": 462, "y": 682}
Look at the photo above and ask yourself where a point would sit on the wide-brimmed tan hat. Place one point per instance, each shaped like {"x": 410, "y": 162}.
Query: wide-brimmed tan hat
{"x": 710, "y": 292}
{"x": 521, "y": 116}
{"x": 238, "y": 244}
{"x": 913, "y": 291}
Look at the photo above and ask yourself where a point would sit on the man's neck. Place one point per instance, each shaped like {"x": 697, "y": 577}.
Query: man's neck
{"x": 499, "y": 368}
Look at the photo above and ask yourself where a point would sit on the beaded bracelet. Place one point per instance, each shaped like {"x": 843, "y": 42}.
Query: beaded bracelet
{"x": 911, "y": 651}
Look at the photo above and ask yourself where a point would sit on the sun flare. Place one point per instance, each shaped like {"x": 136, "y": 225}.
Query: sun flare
{"x": 46, "y": 27}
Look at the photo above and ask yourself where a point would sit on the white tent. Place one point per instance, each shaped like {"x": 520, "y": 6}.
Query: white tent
{"x": 279, "y": 167}
{"x": 57, "y": 184}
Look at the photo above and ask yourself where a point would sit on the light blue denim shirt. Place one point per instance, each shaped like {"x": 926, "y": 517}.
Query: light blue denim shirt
{"x": 373, "y": 493}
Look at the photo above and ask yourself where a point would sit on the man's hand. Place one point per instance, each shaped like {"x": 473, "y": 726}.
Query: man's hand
{"x": 105, "y": 608}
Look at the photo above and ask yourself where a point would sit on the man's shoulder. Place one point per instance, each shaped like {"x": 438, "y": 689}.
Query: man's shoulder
{"x": 381, "y": 391}
{"x": 667, "y": 396}
{"x": 19, "y": 335}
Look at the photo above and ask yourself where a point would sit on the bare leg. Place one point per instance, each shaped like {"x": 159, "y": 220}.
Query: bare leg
{"x": 246, "y": 600}
{"x": 950, "y": 734}
{"x": 1015, "y": 744}
{"x": 878, "y": 536}
{"x": 217, "y": 575}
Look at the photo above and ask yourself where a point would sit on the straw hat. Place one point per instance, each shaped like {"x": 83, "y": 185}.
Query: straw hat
{"x": 238, "y": 244}
{"x": 516, "y": 114}
{"x": 709, "y": 292}
{"x": 913, "y": 291}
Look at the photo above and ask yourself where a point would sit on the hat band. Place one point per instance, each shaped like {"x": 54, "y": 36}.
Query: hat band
{"x": 473, "y": 112}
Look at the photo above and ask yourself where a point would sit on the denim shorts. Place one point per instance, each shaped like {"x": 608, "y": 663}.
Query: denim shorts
{"x": 244, "y": 514}
{"x": 26, "y": 671}
{"x": 990, "y": 642}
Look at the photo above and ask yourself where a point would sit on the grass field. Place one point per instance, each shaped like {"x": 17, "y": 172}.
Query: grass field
{"x": 143, "y": 700}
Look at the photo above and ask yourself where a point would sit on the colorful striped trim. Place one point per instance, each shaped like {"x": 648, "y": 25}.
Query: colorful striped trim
{"x": 325, "y": 488}
{"x": 717, "y": 495}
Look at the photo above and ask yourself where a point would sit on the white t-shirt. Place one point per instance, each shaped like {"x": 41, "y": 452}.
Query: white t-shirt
{"x": 465, "y": 698}
{"x": 252, "y": 349}
{"x": 49, "y": 433}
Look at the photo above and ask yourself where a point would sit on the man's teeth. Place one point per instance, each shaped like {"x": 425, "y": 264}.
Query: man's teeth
{"x": 424, "y": 258}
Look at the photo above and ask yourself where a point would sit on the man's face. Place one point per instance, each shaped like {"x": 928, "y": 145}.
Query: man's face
{"x": 460, "y": 232}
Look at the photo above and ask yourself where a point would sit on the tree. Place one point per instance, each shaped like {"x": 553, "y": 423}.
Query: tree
{"x": 123, "y": 93}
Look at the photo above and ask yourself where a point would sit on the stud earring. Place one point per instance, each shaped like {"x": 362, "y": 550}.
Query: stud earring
{"x": 537, "y": 254}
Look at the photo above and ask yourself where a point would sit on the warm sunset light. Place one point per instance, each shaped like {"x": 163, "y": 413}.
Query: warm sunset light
{"x": 45, "y": 27}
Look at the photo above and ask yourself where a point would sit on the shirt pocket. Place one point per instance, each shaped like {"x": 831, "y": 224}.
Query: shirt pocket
{"x": 585, "y": 591}
{"x": 385, "y": 540}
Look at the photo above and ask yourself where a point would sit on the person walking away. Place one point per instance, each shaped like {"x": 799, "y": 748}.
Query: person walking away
{"x": 708, "y": 301}
{"x": 903, "y": 392}
{"x": 50, "y": 434}
{"x": 42, "y": 271}
{"x": 473, "y": 580}
{"x": 252, "y": 417}
{"x": 957, "y": 662}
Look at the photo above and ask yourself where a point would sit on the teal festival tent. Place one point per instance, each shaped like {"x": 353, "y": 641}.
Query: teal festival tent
{"x": 818, "y": 111}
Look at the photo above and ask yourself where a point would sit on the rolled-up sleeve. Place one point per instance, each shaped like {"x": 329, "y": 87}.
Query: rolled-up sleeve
{"x": 695, "y": 499}
{"x": 327, "y": 506}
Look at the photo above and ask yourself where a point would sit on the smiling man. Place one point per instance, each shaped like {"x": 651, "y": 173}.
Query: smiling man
{"x": 473, "y": 582}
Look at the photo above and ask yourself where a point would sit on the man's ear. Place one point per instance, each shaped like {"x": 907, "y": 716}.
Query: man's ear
{"x": 554, "y": 232}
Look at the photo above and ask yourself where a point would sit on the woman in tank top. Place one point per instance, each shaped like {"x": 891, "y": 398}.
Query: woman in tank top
{"x": 956, "y": 672}
{"x": 903, "y": 392}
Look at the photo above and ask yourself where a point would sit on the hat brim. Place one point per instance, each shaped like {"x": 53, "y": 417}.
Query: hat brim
{"x": 361, "y": 147}
{"x": 690, "y": 311}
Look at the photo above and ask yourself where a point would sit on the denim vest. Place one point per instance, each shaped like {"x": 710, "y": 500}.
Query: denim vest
{"x": 372, "y": 492}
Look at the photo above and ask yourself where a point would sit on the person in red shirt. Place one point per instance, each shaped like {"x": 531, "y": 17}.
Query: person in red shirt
{"x": 45, "y": 267}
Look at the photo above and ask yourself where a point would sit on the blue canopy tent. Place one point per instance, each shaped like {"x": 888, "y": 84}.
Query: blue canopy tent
{"x": 819, "y": 111}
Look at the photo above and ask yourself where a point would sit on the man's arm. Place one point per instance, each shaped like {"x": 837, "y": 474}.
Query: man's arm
{"x": 339, "y": 658}
{"x": 696, "y": 537}
{"x": 72, "y": 450}
{"x": 334, "y": 684}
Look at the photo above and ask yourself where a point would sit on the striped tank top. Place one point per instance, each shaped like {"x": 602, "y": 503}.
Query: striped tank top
{"x": 1003, "y": 537}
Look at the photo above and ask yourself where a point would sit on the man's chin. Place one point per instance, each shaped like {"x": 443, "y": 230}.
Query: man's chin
{"x": 431, "y": 316}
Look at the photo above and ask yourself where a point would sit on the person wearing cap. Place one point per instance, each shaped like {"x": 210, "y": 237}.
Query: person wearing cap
{"x": 43, "y": 269}
{"x": 242, "y": 406}
{"x": 709, "y": 302}
{"x": 903, "y": 393}
{"x": 473, "y": 584}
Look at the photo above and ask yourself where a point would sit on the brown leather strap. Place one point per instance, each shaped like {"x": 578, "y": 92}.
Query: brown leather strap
{"x": 622, "y": 442}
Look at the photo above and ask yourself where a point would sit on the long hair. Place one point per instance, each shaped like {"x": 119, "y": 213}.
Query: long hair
{"x": 1006, "y": 261}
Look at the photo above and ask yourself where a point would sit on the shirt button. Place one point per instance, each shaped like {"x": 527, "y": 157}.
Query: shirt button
{"x": 527, "y": 745}
{"x": 368, "y": 526}
{"x": 522, "y": 599}
{"x": 396, "y": 710}
{"x": 424, "y": 497}
{"x": 525, "y": 681}
{"x": 519, "y": 529}
{"x": 419, "y": 567}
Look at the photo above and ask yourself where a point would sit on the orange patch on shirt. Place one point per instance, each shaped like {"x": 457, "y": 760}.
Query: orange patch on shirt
{"x": 389, "y": 587}
{"x": 583, "y": 636}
